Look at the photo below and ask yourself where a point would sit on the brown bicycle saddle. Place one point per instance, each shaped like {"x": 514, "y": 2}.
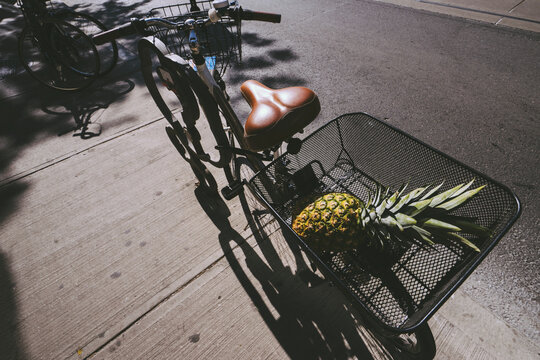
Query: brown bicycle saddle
{"x": 276, "y": 114}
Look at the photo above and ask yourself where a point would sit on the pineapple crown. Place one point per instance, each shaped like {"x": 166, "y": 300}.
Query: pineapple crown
{"x": 420, "y": 216}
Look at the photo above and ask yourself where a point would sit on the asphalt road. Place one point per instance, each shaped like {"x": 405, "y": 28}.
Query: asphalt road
{"x": 470, "y": 89}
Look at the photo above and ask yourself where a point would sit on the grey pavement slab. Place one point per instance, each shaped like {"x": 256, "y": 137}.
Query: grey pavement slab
{"x": 464, "y": 328}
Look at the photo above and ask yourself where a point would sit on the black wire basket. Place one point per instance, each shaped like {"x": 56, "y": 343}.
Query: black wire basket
{"x": 221, "y": 42}
{"x": 353, "y": 154}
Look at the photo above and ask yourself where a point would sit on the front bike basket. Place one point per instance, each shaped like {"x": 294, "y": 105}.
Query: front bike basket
{"x": 352, "y": 154}
{"x": 221, "y": 42}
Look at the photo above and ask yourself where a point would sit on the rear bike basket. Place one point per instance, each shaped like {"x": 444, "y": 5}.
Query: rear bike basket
{"x": 352, "y": 154}
{"x": 220, "y": 42}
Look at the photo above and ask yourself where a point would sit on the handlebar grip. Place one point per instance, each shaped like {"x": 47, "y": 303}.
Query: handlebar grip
{"x": 260, "y": 16}
{"x": 120, "y": 31}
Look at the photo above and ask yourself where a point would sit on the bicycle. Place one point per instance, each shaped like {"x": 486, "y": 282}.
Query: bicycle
{"x": 55, "y": 47}
{"x": 397, "y": 296}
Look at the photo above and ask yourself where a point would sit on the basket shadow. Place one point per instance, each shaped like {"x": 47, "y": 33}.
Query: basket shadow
{"x": 307, "y": 315}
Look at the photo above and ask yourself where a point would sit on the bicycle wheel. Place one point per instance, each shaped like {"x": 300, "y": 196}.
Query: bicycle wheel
{"x": 419, "y": 345}
{"x": 59, "y": 56}
{"x": 108, "y": 52}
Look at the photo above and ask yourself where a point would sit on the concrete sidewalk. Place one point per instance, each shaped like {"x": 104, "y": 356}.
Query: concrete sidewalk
{"x": 108, "y": 251}
{"x": 520, "y": 14}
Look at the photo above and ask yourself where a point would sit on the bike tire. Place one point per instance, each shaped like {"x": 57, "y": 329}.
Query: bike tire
{"x": 108, "y": 52}
{"x": 68, "y": 62}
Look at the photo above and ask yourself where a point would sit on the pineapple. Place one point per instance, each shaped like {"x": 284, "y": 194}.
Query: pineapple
{"x": 339, "y": 221}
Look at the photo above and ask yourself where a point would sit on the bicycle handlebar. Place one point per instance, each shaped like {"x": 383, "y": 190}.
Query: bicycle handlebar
{"x": 139, "y": 25}
{"x": 259, "y": 16}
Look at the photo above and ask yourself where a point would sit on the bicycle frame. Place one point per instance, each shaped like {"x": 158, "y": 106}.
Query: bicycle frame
{"x": 192, "y": 87}
{"x": 218, "y": 94}
{"x": 180, "y": 73}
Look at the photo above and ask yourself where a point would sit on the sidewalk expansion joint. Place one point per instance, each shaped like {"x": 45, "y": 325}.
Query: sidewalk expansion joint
{"x": 155, "y": 306}
{"x": 173, "y": 293}
{"x": 515, "y": 6}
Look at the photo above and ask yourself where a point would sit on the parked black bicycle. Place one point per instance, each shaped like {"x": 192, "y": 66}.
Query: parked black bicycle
{"x": 398, "y": 285}
{"x": 56, "y": 48}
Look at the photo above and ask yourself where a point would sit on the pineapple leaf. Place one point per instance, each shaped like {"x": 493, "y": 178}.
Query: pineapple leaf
{"x": 408, "y": 198}
{"x": 418, "y": 192}
{"x": 418, "y": 206}
{"x": 440, "y": 225}
{"x": 419, "y": 239}
{"x": 464, "y": 241}
{"x": 378, "y": 195}
{"x": 402, "y": 189}
{"x": 462, "y": 190}
{"x": 432, "y": 191}
{"x": 392, "y": 200}
{"x": 380, "y": 209}
{"x": 405, "y": 220}
{"x": 444, "y": 196}
{"x": 424, "y": 234}
{"x": 372, "y": 214}
{"x": 364, "y": 217}
{"x": 390, "y": 221}
{"x": 472, "y": 228}
{"x": 422, "y": 230}
{"x": 455, "y": 202}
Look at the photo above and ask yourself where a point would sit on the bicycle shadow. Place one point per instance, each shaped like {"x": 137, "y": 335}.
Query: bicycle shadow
{"x": 310, "y": 318}
{"x": 83, "y": 106}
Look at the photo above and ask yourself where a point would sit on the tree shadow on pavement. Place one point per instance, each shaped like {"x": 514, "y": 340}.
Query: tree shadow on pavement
{"x": 23, "y": 123}
{"x": 313, "y": 320}
{"x": 11, "y": 343}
